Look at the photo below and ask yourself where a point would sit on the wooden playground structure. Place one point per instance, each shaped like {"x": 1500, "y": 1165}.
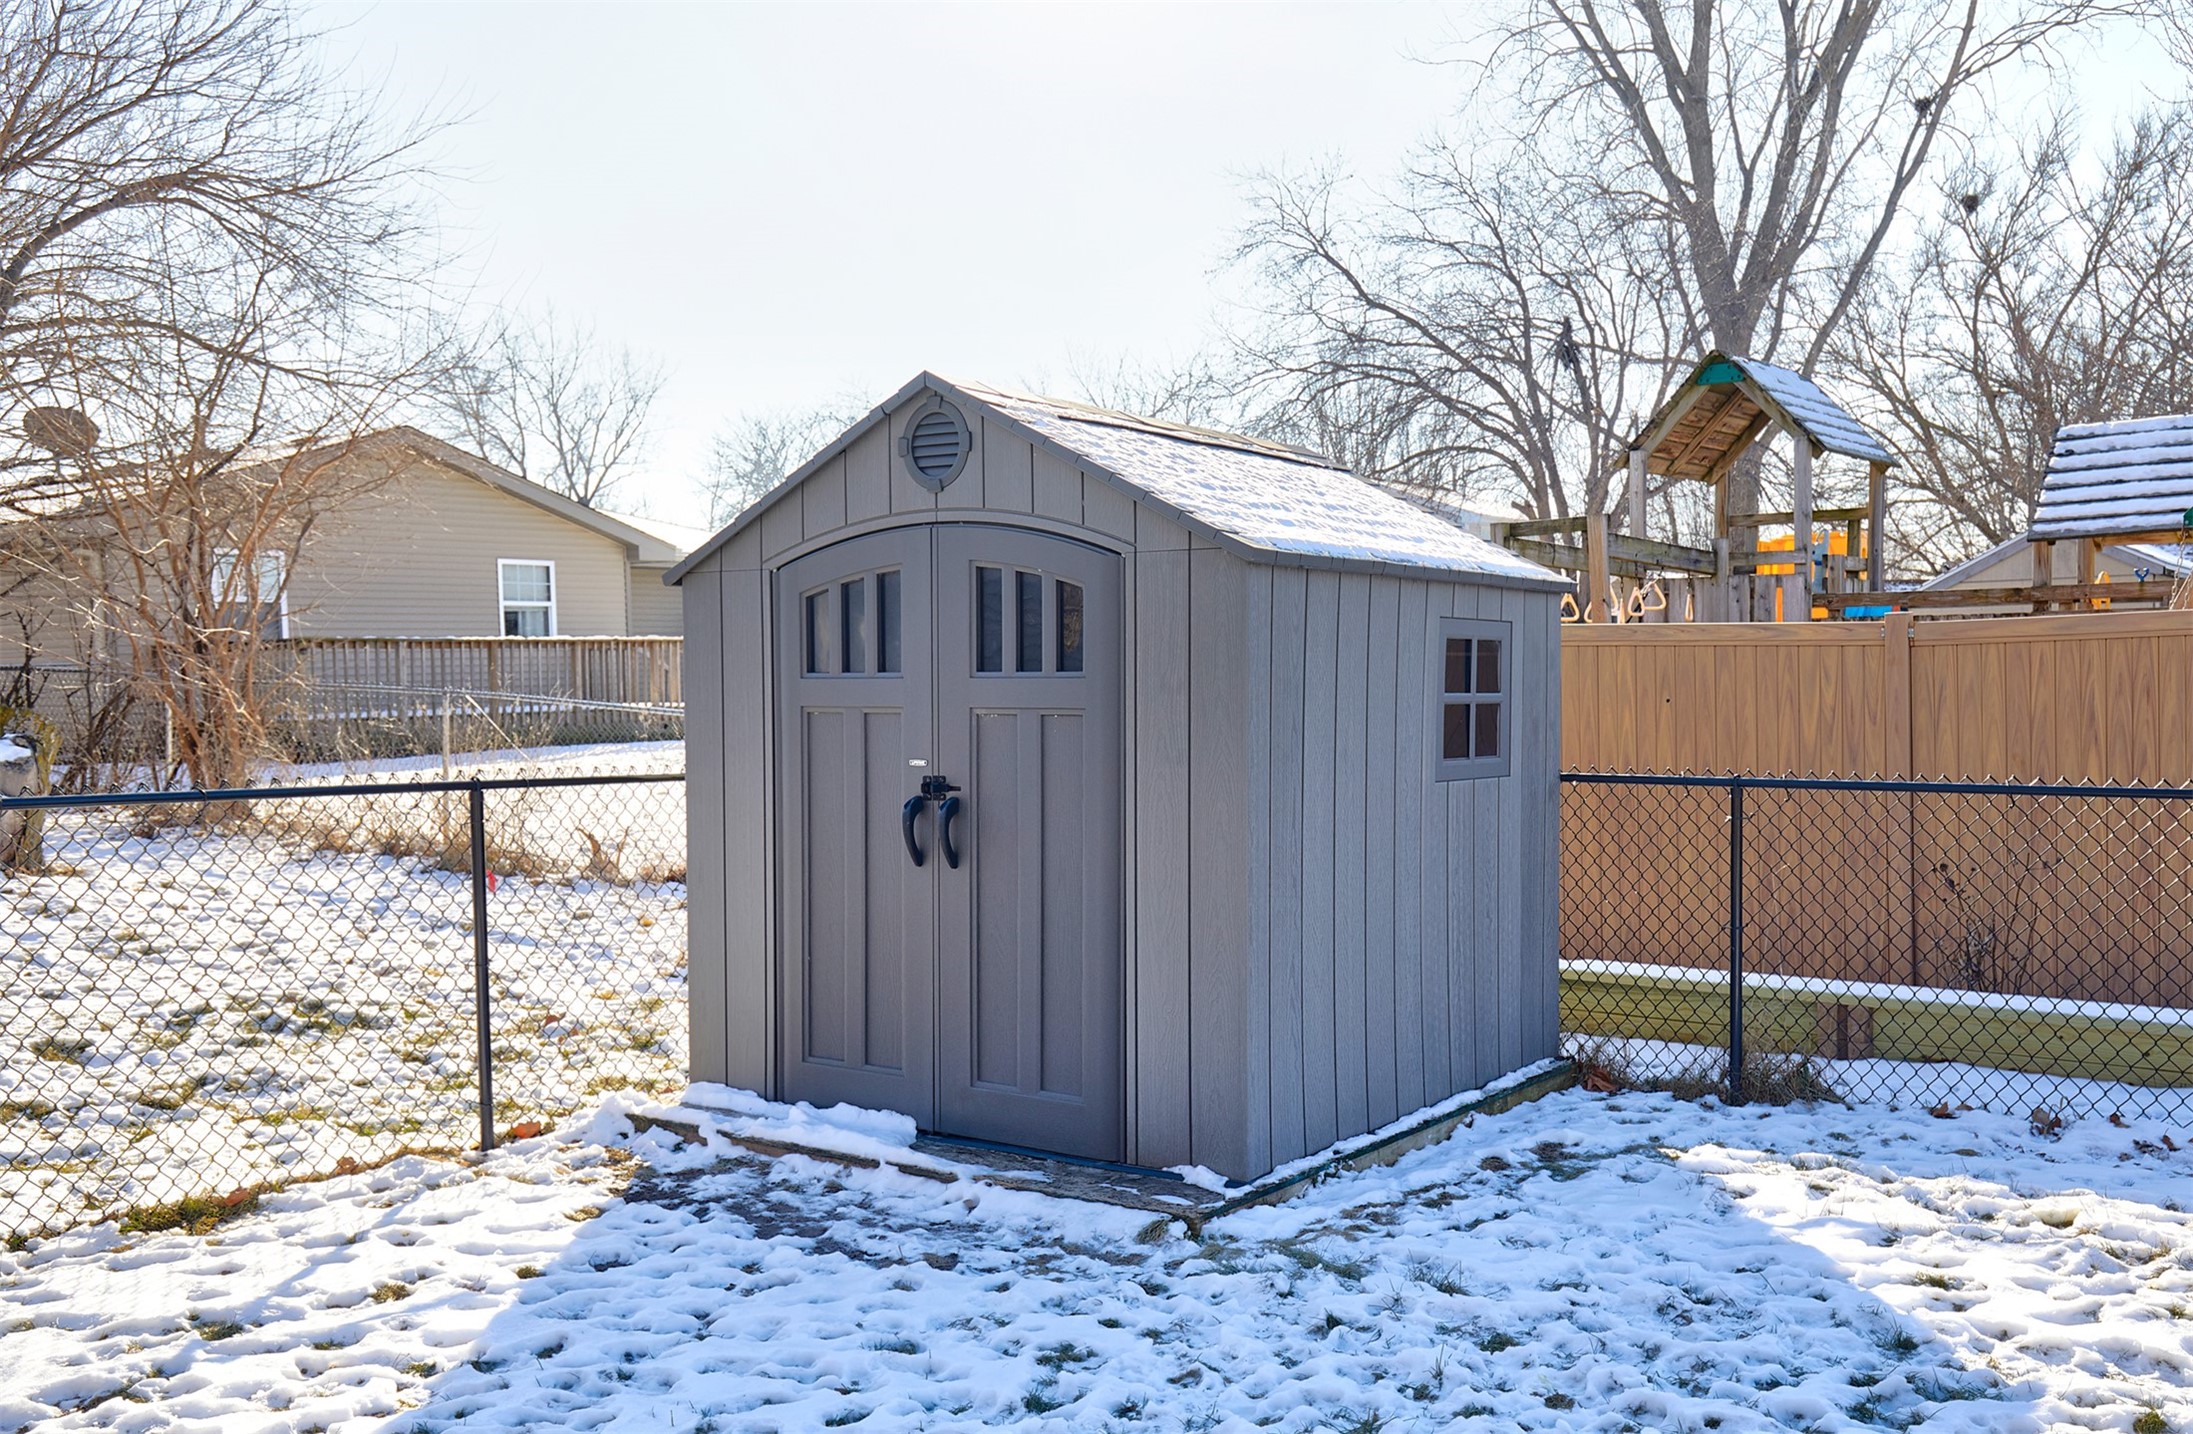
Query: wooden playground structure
{"x": 2100, "y": 490}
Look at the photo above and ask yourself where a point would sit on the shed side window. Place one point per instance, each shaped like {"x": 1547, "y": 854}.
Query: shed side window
{"x": 528, "y": 597}
{"x": 1473, "y": 729}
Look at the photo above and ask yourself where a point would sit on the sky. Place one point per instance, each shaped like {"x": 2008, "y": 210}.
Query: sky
{"x": 800, "y": 205}
{"x": 793, "y": 206}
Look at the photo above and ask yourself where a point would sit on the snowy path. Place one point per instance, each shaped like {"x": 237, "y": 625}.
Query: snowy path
{"x": 1592, "y": 1262}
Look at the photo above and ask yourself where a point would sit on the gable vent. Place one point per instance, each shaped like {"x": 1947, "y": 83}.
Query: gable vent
{"x": 935, "y": 445}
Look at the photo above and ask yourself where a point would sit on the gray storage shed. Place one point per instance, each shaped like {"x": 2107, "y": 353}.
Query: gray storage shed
{"x": 1077, "y": 781}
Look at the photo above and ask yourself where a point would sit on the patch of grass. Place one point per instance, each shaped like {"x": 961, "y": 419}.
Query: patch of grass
{"x": 1933, "y": 1279}
{"x": 1497, "y": 1341}
{"x": 1059, "y": 1356}
{"x": 845, "y": 1417}
{"x": 901, "y": 1345}
{"x": 2150, "y": 1421}
{"x": 61, "y": 1049}
{"x": 193, "y": 1214}
{"x": 422, "y": 1369}
{"x": 1560, "y": 1401}
{"x": 1039, "y": 1401}
{"x": 214, "y": 1331}
{"x": 390, "y": 1291}
{"x": 530, "y": 1272}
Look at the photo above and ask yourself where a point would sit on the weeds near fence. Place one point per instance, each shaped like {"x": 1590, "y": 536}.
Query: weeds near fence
{"x": 204, "y": 998}
{"x": 1611, "y": 1064}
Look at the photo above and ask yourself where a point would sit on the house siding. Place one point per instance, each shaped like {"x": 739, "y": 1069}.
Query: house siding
{"x": 656, "y": 610}
{"x": 416, "y": 557}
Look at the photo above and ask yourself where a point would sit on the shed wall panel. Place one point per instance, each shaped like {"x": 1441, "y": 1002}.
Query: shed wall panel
{"x": 1257, "y": 853}
{"x": 1382, "y": 652}
{"x": 705, "y": 793}
{"x": 750, "y": 972}
{"x": 1218, "y": 893}
{"x": 1320, "y": 867}
{"x": 1283, "y": 761}
{"x": 1163, "y": 621}
{"x": 1351, "y": 791}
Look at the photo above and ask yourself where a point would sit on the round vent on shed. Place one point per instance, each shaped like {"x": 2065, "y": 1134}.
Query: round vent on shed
{"x": 935, "y": 444}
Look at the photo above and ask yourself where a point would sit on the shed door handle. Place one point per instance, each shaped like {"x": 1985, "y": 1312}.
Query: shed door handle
{"x": 946, "y": 810}
{"x": 907, "y": 813}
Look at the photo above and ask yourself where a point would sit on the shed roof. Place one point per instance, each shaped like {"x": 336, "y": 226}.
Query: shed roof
{"x": 2106, "y": 479}
{"x": 1263, "y": 501}
{"x": 1727, "y": 399}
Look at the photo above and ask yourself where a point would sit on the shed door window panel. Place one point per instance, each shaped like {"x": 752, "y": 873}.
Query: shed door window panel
{"x": 1026, "y": 624}
{"x": 851, "y": 628}
{"x": 1473, "y": 728}
{"x": 528, "y": 597}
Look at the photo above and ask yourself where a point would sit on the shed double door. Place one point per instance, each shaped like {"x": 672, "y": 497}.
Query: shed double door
{"x": 956, "y": 956}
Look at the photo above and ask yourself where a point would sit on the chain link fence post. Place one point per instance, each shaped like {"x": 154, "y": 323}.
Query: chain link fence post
{"x": 476, "y": 799}
{"x": 1736, "y": 941}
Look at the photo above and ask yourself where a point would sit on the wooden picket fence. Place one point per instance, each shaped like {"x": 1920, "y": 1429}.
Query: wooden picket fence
{"x": 645, "y": 671}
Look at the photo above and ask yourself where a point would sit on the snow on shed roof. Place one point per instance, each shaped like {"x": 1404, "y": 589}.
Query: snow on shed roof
{"x": 1275, "y": 501}
{"x": 2134, "y": 476}
{"x": 1263, "y": 501}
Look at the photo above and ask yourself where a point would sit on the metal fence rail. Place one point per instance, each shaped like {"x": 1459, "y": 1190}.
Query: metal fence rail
{"x": 2012, "y": 946}
{"x": 203, "y": 994}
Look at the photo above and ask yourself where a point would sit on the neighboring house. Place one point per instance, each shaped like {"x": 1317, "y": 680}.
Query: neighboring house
{"x": 2009, "y": 564}
{"x": 427, "y": 540}
{"x": 442, "y": 543}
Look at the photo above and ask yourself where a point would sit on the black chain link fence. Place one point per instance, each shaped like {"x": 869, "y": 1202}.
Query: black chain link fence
{"x": 2000, "y": 946}
{"x": 209, "y": 994}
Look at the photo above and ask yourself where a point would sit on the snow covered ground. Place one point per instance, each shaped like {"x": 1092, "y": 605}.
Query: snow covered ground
{"x": 1587, "y": 1261}
{"x": 185, "y": 1012}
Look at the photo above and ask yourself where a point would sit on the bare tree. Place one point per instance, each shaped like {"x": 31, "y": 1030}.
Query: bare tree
{"x": 2051, "y": 287}
{"x": 170, "y": 564}
{"x": 155, "y": 157}
{"x": 756, "y": 451}
{"x": 554, "y": 402}
{"x": 1727, "y": 172}
{"x": 210, "y": 260}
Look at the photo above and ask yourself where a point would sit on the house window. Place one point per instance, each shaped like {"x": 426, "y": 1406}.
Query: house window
{"x": 528, "y": 596}
{"x": 1471, "y": 726}
{"x": 253, "y": 598}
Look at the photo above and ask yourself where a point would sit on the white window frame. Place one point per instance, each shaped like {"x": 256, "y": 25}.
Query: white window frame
{"x": 226, "y": 558}
{"x": 503, "y": 605}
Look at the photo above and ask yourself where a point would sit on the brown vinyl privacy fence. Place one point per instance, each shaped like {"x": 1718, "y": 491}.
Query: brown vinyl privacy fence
{"x": 2050, "y": 897}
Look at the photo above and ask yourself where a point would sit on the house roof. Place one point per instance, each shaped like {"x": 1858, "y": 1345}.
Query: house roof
{"x": 640, "y": 544}
{"x": 1264, "y": 502}
{"x": 2110, "y": 478}
{"x": 2137, "y": 555}
{"x": 1718, "y": 411}
{"x": 677, "y": 536}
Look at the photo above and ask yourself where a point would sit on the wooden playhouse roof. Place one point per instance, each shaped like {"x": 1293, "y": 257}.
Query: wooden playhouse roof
{"x": 1718, "y": 412}
{"x": 2117, "y": 479}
